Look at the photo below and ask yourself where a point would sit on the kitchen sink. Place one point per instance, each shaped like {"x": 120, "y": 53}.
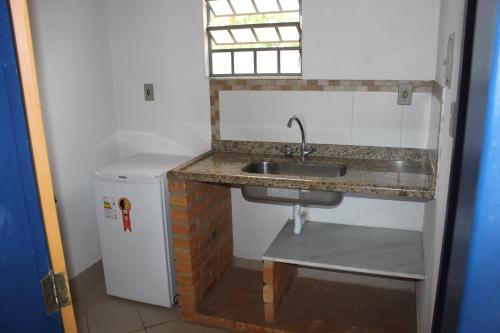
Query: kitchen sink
{"x": 295, "y": 169}
{"x": 288, "y": 195}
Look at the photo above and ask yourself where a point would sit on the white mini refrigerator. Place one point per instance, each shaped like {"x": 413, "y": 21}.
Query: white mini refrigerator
{"x": 134, "y": 228}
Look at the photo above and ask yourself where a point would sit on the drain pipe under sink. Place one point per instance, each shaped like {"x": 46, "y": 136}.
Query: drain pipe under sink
{"x": 299, "y": 217}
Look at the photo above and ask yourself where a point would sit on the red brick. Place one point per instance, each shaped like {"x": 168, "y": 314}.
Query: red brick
{"x": 178, "y": 200}
{"x": 182, "y": 229}
{"x": 186, "y": 291}
{"x": 183, "y": 267}
{"x": 207, "y": 215}
{"x": 267, "y": 271}
{"x": 184, "y": 279}
{"x": 198, "y": 209}
{"x": 200, "y": 220}
{"x": 187, "y": 302}
{"x": 176, "y": 186}
{"x": 202, "y": 191}
{"x": 268, "y": 293}
{"x": 182, "y": 255}
{"x": 179, "y": 216}
{"x": 188, "y": 314}
{"x": 180, "y": 243}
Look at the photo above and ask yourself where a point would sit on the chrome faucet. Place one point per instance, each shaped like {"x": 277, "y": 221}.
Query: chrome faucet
{"x": 304, "y": 150}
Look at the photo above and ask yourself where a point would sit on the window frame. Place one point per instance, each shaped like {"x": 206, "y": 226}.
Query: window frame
{"x": 232, "y": 51}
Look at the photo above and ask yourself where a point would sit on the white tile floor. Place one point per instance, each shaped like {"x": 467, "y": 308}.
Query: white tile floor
{"x": 97, "y": 312}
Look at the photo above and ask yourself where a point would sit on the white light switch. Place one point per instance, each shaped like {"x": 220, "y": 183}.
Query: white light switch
{"x": 149, "y": 92}
{"x": 404, "y": 94}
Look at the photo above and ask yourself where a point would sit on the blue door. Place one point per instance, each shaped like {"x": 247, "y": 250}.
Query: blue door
{"x": 24, "y": 256}
{"x": 480, "y": 310}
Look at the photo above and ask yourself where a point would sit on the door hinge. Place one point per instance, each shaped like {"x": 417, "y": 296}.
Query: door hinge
{"x": 55, "y": 292}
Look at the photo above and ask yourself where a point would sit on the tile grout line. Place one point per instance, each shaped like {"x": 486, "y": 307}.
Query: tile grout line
{"x": 140, "y": 316}
{"x": 162, "y": 323}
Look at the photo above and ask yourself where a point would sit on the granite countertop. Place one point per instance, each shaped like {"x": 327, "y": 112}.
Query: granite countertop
{"x": 413, "y": 178}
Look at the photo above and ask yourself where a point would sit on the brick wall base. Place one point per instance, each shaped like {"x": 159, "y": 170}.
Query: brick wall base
{"x": 278, "y": 277}
{"x": 202, "y": 239}
{"x": 203, "y": 250}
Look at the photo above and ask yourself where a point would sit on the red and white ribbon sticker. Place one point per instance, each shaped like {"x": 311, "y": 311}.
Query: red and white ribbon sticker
{"x": 125, "y": 207}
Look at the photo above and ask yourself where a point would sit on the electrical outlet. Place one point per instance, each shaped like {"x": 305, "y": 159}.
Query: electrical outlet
{"x": 405, "y": 92}
{"x": 149, "y": 92}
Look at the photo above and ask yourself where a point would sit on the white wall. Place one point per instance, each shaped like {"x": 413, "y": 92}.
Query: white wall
{"x": 76, "y": 88}
{"x": 452, "y": 14}
{"x": 159, "y": 42}
{"x": 93, "y": 59}
{"x": 347, "y": 118}
{"x": 366, "y": 39}
{"x": 434, "y": 123}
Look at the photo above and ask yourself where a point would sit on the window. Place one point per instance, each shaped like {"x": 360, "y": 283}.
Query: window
{"x": 254, "y": 37}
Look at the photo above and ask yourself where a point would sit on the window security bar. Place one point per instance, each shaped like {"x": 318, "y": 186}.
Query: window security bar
{"x": 224, "y": 8}
{"x": 283, "y": 32}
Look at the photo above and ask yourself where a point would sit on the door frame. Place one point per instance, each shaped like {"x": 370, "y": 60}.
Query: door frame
{"x": 466, "y": 200}
{"x": 31, "y": 96}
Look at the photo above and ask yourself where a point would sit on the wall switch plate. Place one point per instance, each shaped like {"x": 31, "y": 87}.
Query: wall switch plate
{"x": 448, "y": 62}
{"x": 405, "y": 92}
{"x": 149, "y": 92}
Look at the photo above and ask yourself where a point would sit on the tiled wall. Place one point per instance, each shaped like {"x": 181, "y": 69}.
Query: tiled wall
{"x": 335, "y": 112}
{"x": 350, "y": 118}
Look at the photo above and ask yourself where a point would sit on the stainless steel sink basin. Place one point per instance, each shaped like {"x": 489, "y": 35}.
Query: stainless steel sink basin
{"x": 294, "y": 196}
{"x": 295, "y": 169}
{"x": 291, "y": 195}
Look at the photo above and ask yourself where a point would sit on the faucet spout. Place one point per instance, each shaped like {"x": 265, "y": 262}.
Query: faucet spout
{"x": 302, "y": 133}
{"x": 304, "y": 151}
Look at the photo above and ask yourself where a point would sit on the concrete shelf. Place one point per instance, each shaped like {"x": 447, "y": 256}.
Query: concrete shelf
{"x": 366, "y": 250}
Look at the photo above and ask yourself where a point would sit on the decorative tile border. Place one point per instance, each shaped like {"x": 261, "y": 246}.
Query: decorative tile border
{"x": 437, "y": 90}
{"x": 217, "y": 85}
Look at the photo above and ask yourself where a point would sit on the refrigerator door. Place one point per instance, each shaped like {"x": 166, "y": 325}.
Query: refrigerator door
{"x": 132, "y": 230}
{"x": 172, "y": 283}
